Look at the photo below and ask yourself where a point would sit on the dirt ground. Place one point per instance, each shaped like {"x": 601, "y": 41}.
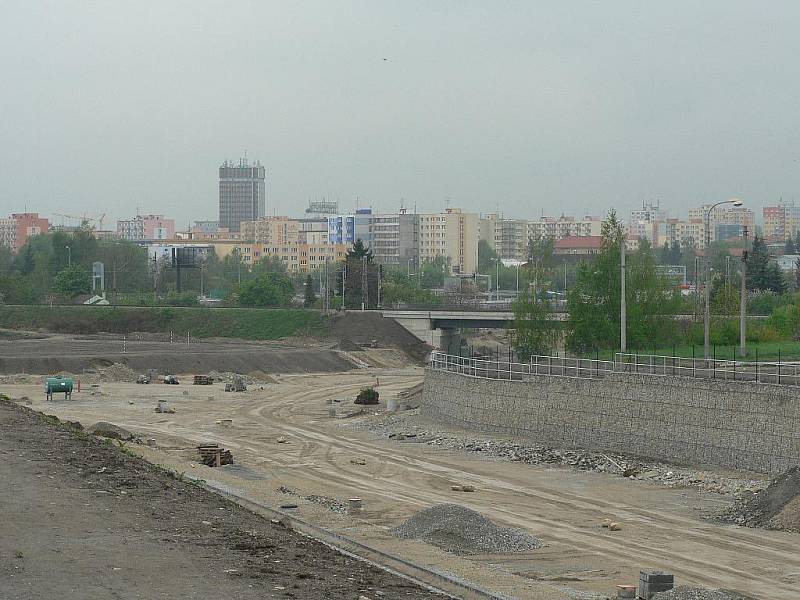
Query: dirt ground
{"x": 662, "y": 528}
{"x": 84, "y": 521}
{"x": 51, "y": 353}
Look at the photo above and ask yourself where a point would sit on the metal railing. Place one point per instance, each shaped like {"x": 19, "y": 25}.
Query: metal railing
{"x": 640, "y": 364}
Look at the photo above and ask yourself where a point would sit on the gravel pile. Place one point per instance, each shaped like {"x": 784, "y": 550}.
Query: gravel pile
{"x": 332, "y": 504}
{"x": 685, "y": 592}
{"x": 117, "y": 372}
{"x": 462, "y": 531}
{"x": 777, "y": 507}
{"x": 392, "y": 425}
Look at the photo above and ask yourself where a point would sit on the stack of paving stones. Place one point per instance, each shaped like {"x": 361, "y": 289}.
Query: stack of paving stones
{"x": 652, "y": 582}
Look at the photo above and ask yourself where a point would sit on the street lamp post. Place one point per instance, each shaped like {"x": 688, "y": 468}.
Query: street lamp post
{"x": 707, "y": 311}
{"x": 69, "y": 256}
{"x": 743, "y": 298}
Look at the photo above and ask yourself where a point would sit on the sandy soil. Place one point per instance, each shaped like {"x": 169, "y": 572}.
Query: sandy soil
{"x": 75, "y": 354}
{"x": 661, "y": 528}
{"x": 84, "y": 521}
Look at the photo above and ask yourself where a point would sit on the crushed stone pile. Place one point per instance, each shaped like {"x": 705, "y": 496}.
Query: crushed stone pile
{"x": 776, "y": 507}
{"x": 117, "y": 372}
{"x": 251, "y": 378}
{"x": 460, "y": 530}
{"x": 685, "y": 592}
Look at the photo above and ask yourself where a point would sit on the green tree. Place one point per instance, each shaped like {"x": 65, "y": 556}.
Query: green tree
{"x": 534, "y": 331}
{"x": 309, "y": 297}
{"x": 268, "y": 289}
{"x": 789, "y": 248}
{"x": 268, "y": 264}
{"x": 486, "y": 257}
{"x": 73, "y": 281}
{"x": 16, "y": 289}
{"x": 434, "y": 272}
{"x": 358, "y": 251}
{"x": 594, "y": 301}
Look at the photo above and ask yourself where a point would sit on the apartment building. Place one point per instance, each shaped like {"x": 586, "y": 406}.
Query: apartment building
{"x": 507, "y": 237}
{"x": 8, "y": 233}
{"x": 724, "y": 222}
{"x": 16, "y": 229}
{"x": 564, "y": 226}
{"x": 146, "y": 227}
{"x": 270, "y": 230}
{"x": 297, "y": 257}
{"x": 644, "y": 222}
{"x": 781, "y": 222}
{"x": 452, "y": 234}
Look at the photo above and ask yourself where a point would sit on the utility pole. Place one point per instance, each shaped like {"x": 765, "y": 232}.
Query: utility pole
{"x": 344, "y": 285}
{"x": 707, "y": 313}
{"x": 696, "y": 288}
{"x": 364, "y": 284}
{"x": 623, "y": 316}
{"x": 743, "y": 299}
{"x": 497, "y": 279}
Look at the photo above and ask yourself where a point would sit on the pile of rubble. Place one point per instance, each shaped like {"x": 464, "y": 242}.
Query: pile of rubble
{"x": 776, "y": 507}
{"x": 116, "y": 372}
{"x": 460, "y": 530}
{"x": 332, "y": 504}
{"x": 685, "y": 592}
{"x": 407, "y": 426}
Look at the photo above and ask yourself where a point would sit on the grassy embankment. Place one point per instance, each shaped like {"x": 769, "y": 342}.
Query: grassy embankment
{"x": 244, "y": 323}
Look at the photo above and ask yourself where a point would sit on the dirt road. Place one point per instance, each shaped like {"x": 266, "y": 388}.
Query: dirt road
{"x": 83, "y": 521}
{"x": 661, "y": 528}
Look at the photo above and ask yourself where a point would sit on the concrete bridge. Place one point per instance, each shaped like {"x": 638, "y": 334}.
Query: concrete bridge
{"x": 442, "y": 328}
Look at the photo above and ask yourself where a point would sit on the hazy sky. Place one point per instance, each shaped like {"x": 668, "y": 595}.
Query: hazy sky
{"x": 562, "y": 106}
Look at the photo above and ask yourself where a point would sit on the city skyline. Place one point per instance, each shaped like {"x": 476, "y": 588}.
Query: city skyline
{"x": 538, "y": 109}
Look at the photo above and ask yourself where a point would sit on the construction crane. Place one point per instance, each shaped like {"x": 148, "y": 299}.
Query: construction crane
{"x": 85, "y": 220}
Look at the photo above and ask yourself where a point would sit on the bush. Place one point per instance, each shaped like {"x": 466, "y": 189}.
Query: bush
{"x": 765, "y": 303}
{"x": 785, "y": 320}
{"x": 367, "y": 396}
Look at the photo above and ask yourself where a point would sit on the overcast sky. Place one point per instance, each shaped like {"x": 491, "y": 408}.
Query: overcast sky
{"x": 533, "y": 107}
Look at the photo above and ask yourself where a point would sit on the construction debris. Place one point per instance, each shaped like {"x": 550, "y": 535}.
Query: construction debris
{"x": 776, "y": 507}
{"x": 109, "y": 430}
{"x": 212, "y": 455}
{"x": 685, "y": 592}
{"x": 202, "y": 380}
{"x": 460, "y": 530}
{"x": 237, "y": 385}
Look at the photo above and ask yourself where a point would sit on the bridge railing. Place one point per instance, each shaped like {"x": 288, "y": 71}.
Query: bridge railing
{"x": 641, "y": 364}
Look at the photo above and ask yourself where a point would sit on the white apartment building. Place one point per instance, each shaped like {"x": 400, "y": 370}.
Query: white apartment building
{"x": 8, "y": 233}
{"x": 563, "y": 226}
{"x": 507, "y": 237}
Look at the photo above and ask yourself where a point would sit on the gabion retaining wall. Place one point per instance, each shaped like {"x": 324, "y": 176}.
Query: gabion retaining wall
{"x": 725, "y": 424}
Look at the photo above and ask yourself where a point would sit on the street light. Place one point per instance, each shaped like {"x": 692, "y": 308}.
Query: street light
{"x": 69, "y": 256}
{"x": 707, "y": 315}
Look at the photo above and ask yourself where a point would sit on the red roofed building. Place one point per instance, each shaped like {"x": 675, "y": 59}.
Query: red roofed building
{"x": 577, "y": 247}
